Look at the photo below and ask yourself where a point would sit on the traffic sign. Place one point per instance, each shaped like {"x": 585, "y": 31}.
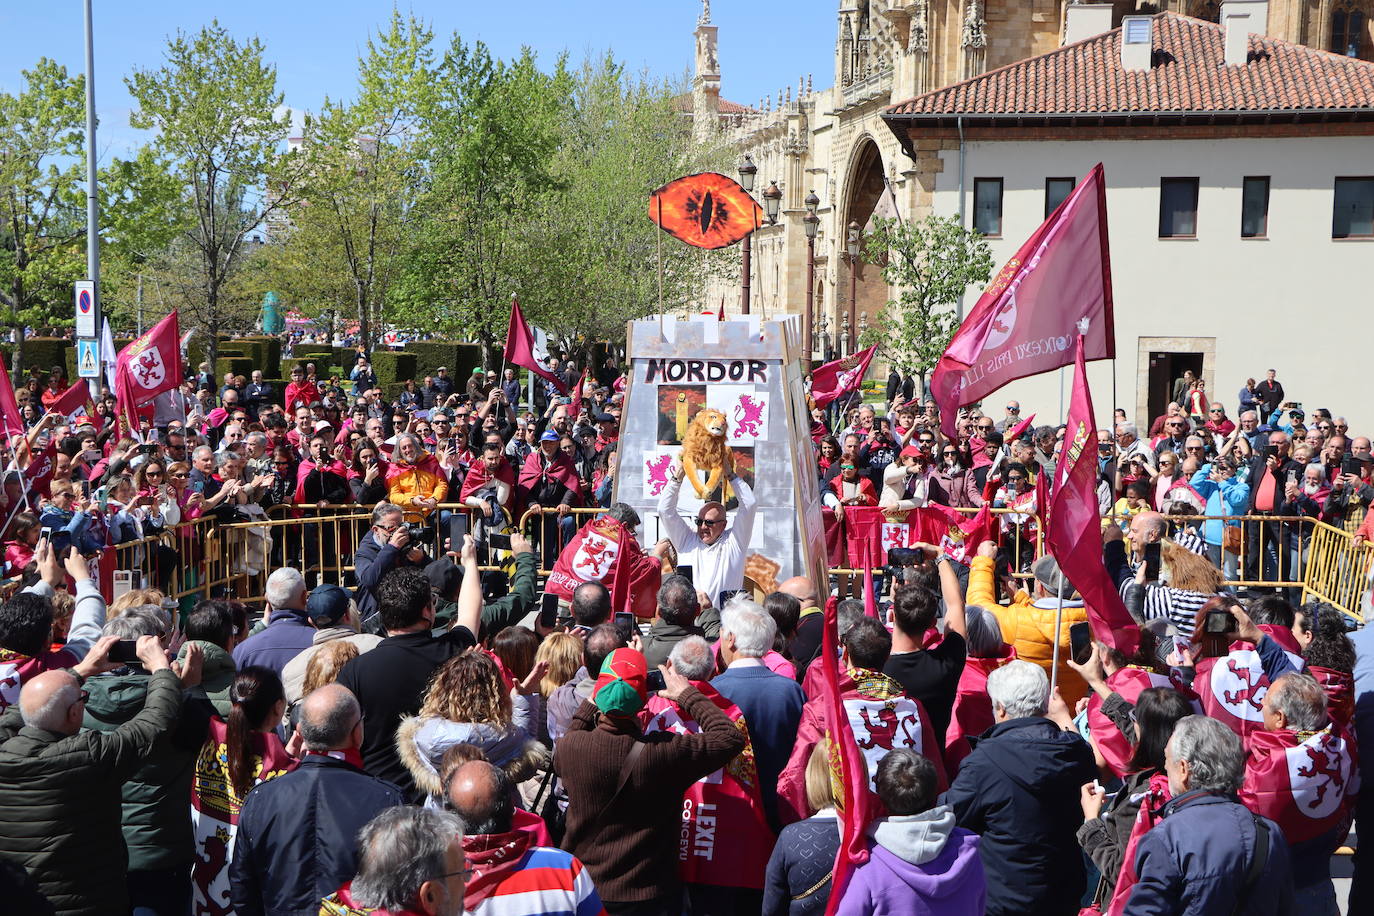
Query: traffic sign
{"x": 88, "y": 358}
{"x": 85, "y": 309}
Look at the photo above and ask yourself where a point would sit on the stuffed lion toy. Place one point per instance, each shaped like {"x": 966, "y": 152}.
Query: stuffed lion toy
{"x": 704, "y": 449}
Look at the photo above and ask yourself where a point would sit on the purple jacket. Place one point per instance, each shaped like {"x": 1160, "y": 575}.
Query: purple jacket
{"x": 919, "y": 865}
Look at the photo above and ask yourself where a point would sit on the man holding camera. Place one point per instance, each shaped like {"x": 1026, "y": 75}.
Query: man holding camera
{"x": 1271, "y": 470}
{"x": 386, "y": 546}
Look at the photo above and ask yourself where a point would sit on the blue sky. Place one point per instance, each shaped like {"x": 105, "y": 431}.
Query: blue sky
{"x": 315, "y": 44}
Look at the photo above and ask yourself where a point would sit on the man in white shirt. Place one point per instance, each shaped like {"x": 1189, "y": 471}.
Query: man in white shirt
{"x": 714, "y": 551}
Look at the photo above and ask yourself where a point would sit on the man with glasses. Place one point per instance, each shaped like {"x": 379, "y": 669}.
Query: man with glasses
{"x": 296, "y": 838}
{"x": 714, "y": 548}
{"x": 410, "y": 860}
{"x": 60, "y": 816}
{"x": 385, "y": 547}
{"x": 1012, "y": 417}
{"x": 1175, "y": 437}
{"x": 1218, "y": 424}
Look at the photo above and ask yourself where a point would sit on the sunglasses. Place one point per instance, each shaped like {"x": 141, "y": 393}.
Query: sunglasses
{"x": 986, "y": 427}
{"x": 703, "y": 522}
{"x": 152, "y": 474}
{"x": 180, "y": 474}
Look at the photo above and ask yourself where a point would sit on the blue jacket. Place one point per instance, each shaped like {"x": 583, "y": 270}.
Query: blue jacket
{"x": 74, "y": 525}
{"x": 1194, "y": 862}
{"x": 297, "y": 840}
{"x": 1229, "y": 497}
{"x": 1019, "y": 790}
{"x": 287, "y": 634}
{"x": 372, "y": 561}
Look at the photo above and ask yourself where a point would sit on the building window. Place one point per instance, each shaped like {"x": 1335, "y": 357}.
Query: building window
{"x": 1347, "y": 31}
{"x": 1254, "y": 208}
{"x": 1354, "y": 210}
{"x": 987, "y": 206}
{"x": 1056, "y": 190}
{"x": 1177, "y": 208}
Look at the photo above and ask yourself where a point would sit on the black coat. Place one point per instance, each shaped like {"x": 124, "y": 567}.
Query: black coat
{"x": 297, "y": 838}
{"x": 389, "y": 681}
{"x": 1257, "y": 465}
{"x": 60, "y": 799}
{"x": 1019, "y": 790}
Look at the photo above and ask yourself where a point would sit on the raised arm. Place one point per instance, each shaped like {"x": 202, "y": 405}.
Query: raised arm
{"x": 744, "y": 515}
{"x": 673, "y": 525}
{"x": 470, "y": 592}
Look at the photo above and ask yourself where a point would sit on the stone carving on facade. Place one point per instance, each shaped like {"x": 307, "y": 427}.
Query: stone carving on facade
{"x": 705, "y": 13}
{"x": 975, "y": 29}
{"x": 795, "y": 144}
{"x": 919, "y": 39}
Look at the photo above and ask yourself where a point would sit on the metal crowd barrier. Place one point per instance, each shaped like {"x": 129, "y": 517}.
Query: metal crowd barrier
{"x": 207, "y": 557}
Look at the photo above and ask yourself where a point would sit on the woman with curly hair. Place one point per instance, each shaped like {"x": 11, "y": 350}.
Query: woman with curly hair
{"x": 1330, "y": 656}
{"x": 469, "y": 702}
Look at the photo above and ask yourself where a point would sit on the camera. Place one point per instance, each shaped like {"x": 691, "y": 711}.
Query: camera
{"x": 419, "y": 534}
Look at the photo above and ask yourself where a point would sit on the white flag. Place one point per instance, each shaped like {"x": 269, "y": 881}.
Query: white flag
{"x": 108, "y": 356}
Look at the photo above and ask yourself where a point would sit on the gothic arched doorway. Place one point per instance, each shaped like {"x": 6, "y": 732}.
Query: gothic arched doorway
{"x": 864, "y": 190}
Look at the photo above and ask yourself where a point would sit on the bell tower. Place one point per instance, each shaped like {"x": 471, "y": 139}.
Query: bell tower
{"x": 705, "y": 78}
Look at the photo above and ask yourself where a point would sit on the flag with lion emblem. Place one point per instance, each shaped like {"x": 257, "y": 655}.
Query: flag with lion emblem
{"x": 148, "y": 366}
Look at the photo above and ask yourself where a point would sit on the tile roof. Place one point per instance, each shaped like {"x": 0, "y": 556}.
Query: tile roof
{"x": 1188, "y": 75}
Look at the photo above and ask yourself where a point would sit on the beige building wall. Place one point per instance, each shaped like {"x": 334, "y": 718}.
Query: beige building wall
{"x": 1296, "y": 301}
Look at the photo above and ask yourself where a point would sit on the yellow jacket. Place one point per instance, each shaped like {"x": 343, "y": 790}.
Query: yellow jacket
{"x": 1029, "y": 626}
{"x": 407, "y": 483}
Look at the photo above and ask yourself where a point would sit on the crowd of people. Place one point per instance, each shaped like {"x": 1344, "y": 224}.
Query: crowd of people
{"x": 433, "y": 737}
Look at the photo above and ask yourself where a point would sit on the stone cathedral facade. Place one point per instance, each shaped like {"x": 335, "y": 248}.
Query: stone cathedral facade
{"x": 834, "y": 142}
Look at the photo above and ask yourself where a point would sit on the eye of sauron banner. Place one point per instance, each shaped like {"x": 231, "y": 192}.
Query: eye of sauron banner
{"x": 708, "y": 210}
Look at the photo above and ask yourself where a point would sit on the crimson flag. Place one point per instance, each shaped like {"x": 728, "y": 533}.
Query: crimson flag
{"x": 855, "y": 802}
{"x": 870, "y": 599}
{"x": 1303, "y": 781}
{"x": 870, "y": 533}
{"x": 10, "y": 417}
{"x": 520, "y": 348}
{"x": 576, "y": 404}
{"x": 1074, "y": 532}
{"x": 148, "y": 366}
{"x": 605, "y": 551}
{"x": 1231, "y": 687}
{"x": 838, "y": 378}
{"x": 76, "y": 399}
{"x": 1020, "y": 428}
{"x": 1024, "y": 322}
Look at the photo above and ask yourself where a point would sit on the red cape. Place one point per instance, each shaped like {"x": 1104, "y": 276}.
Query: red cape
{"x": 560, "y": 469}
{"x": 604, "y": 551}
{"x": 478, "y": 477}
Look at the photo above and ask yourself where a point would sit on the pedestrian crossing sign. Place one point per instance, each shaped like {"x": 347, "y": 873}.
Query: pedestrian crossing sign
{"x": 88, "y": 358}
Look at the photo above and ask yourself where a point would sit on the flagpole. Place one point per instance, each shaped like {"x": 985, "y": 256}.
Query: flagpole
{"x": 658, "y": 239}
{"x": 1058, "y": 626}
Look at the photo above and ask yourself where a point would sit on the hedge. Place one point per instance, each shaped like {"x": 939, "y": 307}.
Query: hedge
{"x": 392, "y": 367}
{"x": 46, "y": 352}
{"x": 239, "y": 365}
{"x": 266, "y": 351}
{"x": 461, "y": 358}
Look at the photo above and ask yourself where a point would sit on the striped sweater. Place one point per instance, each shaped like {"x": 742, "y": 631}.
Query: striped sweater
{"x": 543, "y": 882}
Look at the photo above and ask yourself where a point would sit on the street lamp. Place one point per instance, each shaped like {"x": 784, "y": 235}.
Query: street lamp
{"x": 853, "y": 244}
{"x": 772, "y": 202}
{"x": 747, "y": 172}
{"x": 812, "y": 224}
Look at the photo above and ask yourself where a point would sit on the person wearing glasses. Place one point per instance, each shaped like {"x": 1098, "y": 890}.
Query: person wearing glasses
{"x": 60, "y": 789}
{"x": 410, "y": 860}
{"x": 1011, "y": 419}
{"x": 714, "y": 547}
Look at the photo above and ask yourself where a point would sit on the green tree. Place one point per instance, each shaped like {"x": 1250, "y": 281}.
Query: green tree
{"x": 594, "y": 251}
{"x": 359, "y": 179}
{"x": 930, "y": 262}
{"x": 42, "y": 227}
{"x": 492, "y": 131}
{"x": 217, "y": 115}
{"x": 141, "y": 214}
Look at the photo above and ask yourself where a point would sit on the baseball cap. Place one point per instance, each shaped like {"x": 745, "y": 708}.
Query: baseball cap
{"x": 913, "y": 451}
{"x": 444, "y": 576}
{"x": 621, "y": 689}
{"x": 549, "y": 436}
{"x": 477, "y": 371}
{"x": 327, "y": 603}
{"x": 323, "y": 424}
{"x": 604, "y": 417}
{"x": 1048, "y": 574}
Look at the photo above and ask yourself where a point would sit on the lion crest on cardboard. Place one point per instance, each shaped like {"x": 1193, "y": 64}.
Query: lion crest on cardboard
{"x": 704, "y": 451}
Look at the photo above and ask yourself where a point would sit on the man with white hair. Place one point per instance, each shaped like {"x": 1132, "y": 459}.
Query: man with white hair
{"x": 1018, "y": 789}
{"x": 771, "y": 703}
{"x": 410, "y": 860}
{"x": 1208, "y": 853}
{"x": 60, "y": 787}
{"x": 288, "y": 631}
